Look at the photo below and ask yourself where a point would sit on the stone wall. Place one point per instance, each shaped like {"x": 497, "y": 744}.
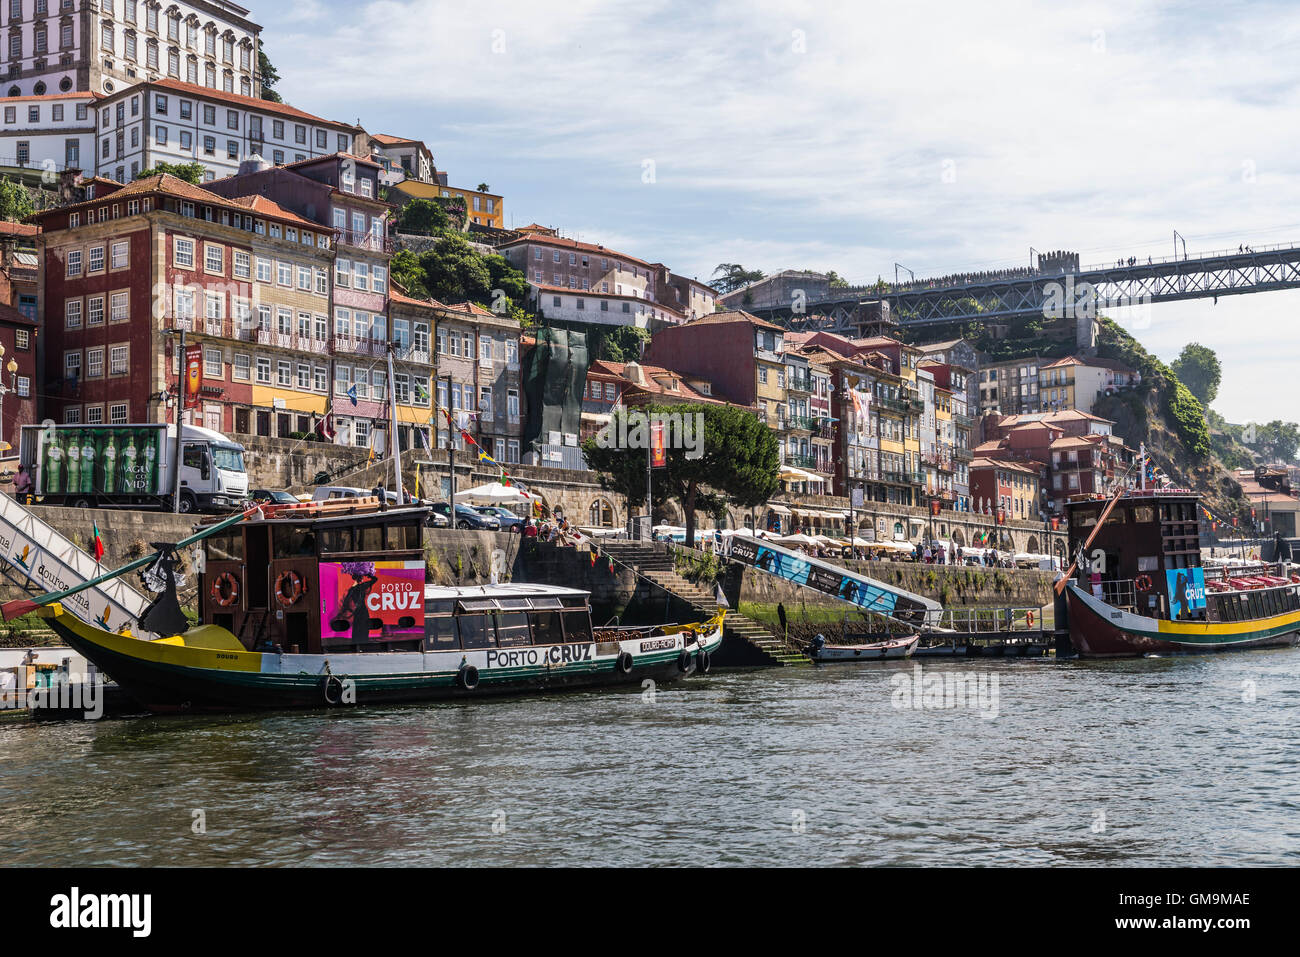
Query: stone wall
{"x": 950, "y": 585}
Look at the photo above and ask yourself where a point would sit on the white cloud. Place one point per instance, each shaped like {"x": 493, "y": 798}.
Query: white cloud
{"x": 1099, "y": 127}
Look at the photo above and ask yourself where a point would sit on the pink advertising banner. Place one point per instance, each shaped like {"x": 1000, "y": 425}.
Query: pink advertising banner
{"x": 371, "y": 601}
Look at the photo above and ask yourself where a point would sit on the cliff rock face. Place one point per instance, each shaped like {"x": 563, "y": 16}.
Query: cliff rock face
{"x": 1169, "y": 420}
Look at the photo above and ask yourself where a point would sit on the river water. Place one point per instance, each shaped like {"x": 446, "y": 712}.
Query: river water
{"x": 1189, "y": 761}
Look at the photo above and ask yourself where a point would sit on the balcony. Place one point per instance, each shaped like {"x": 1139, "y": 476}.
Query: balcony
{"x": 362, "y": 346}
{"x": 961, "y": 454}
{"x": 802, "y": 461}
{"x": 902, "y": 478}
{"x": 794, "y": 423}
{"x": 799, "y": 383}
{"x": 891, "y": 405}
{"x": 365, "y": 240}
{"x": 962, "y": 421}
{"x": 409, "y": 354}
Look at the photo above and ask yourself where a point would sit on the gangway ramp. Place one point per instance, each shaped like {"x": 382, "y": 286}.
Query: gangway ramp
{"x": 866, "y": 593}
{"x": 39, "y": 558}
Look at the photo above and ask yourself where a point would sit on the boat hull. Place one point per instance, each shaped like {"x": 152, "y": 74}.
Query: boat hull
{"x": 170, "y": 678}
{"x": 1099, "y": 630}
{"x": 879, "y": 651}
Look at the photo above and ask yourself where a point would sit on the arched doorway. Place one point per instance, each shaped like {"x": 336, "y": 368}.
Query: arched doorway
{"x": 1033, "y": 547}
{"x": 958, "y": 537}
{"x": 600, "y": 514}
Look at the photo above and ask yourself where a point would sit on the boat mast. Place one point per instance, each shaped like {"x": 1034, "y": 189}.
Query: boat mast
{"x": 392, "y": 426}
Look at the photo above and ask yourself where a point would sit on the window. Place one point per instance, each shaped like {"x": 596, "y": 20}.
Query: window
{"x": 263, "y": 370}
{"x": 241, "y": 265}
{"x": 284, "y": 373}
{"x": 72, "y": 314}
{"x": 240, "y": 369}
{"x": 212, "y": 365}
{"x": 213, "y": 258}
{"x": 263, "y": 269}
{"x": 95, "y": 362}
{"x": 119, "y": 255}
{"x": 184, "y": 253}
{"x": 74, "y": 263}
{"x": 95, "y": 311}
{"x": 72, "y": 365}
{"x": 283, "y": 273}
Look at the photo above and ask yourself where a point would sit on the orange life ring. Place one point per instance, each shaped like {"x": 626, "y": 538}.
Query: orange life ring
{"x": 294, "y": 592}
{"x": 1029, "y": 619}
{"x": 225, "y": 590}
{"x": 1142, "y": 583}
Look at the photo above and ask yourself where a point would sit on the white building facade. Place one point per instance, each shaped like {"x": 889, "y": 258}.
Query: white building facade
{"x": 54, "y": 132}
{"x": 173, "y": 122}
{"x": 104, "y": 46}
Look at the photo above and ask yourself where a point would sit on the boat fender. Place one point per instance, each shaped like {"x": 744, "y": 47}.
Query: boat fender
{"x": 333, "y": 697}
{"x": 225, "y": 590}
{"x": 624, "y": 662}
{"x": 467, "y": 677}
{"x": 288, "y": 588}
{"x": 705, "y": 663}
{"x": 684, "y": 661}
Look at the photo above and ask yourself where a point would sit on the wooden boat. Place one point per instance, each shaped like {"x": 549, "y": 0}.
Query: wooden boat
{"x": 1141, "y": 588}
{"x": 894, "y": 648}
{"x": 311, "y": 607}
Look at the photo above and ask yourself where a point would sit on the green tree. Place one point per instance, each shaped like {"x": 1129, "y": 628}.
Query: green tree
{"x": 270, "y": 76}
{"x": 836, "y": 280}
{"x": 406, "y": 271}
{"x": 421, "y": 217}
{"x": 454, "y": 271}
{"x": 729, "y": 277}
{"x": 190, "y": 172}
{"x": 1197, "y": 367}
{"x": 484, "y": 188}
{"x": 737, "y": 461}
{"x": 15, "y": 203}
{"x": 1275, "y": 442}
{"x": 623, "y": 344}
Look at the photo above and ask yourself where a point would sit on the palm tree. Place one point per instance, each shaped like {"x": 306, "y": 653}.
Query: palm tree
{"x": 734, "y": 275}
{"x": 484, "y": 188}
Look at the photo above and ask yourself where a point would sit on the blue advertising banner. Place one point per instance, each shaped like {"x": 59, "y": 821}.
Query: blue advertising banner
{"x": 1186, "y": 592}
{"x": 829, "y": 579}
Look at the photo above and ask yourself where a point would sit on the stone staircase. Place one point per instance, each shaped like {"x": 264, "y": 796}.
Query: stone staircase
{"x": 655, "y": 564}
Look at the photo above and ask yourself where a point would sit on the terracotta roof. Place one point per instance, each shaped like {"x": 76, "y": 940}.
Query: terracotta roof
{"x": 619, "y": 370}
{"x": 8, "y": 228}
{"x": 735, "y": 315}
{"x": 1072, "y": 442}
{"x": 1092, "y": 362}
{"x": 404, "y": 300}
{"x": 987, "y": 463}
{"x": 9, "y": 314}
{"x": 388, "y": 140}
{"x": 561, "y": 242}
{"x": 337, "y": 154}
{"x": 235, "y": 99}
{"x": 70, "y": 95}
{"x": 269, "y": 208}
{"x": 174, "y": 186}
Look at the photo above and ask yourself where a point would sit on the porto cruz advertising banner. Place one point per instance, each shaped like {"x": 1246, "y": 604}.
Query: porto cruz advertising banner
{"x": 371, "y": 601}
{"x": 1186, "y": 592}
{"x": 824, "y": 578}
{"x": 104, "y": 460}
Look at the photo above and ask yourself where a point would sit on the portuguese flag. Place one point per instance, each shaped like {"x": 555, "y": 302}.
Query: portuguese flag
{"x": 98, "y": 545}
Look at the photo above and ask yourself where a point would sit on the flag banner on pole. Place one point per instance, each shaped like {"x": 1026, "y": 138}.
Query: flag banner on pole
{"x": 98, "y": 544}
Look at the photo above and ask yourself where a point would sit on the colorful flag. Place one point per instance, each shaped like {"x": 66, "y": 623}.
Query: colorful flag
{"x": 98, "y": 544}
{"x": 592, "y": 553}
{"x": 352, "y": 395}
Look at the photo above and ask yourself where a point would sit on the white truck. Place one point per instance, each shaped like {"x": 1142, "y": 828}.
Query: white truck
{"x": 132, "y": 466}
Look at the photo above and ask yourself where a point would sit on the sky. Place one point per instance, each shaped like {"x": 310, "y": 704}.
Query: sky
{"x": 947, "y": 136}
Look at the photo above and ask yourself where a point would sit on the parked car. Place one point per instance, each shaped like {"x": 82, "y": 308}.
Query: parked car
{"x": 330, "y": 492}
{"x": 510, "y": 522}
{"x": 466, "y": 517}
{"x": 438, "y": 520}
{"x": 273, "y": 496}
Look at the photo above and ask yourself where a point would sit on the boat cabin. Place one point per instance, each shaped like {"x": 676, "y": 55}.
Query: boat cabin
{"x": 319, "y": 578}
{"x": 1146, "y": 558}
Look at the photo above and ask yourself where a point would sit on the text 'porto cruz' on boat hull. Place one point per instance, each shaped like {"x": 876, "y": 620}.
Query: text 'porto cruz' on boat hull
{"x": 326, "y": 604}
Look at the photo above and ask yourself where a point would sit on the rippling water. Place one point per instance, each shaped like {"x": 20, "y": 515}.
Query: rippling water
{"x": 794, "y": 766}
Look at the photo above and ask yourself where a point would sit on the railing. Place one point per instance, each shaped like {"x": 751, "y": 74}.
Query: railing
{"x": 366, "y": 240}
{"x": 799, "y": 383}
{"x": 802, "y": 461}
{"x": 902, "y": 478}
{"x": 359, "y": 345}
{"x": 961, "y": 454}
{"x": 1120, "y": 593}
{"x": 893, "y": 405}
{"x": 798, "y": 422}
{"x": 412, "y": 355}
{"x": 962, "y": 421}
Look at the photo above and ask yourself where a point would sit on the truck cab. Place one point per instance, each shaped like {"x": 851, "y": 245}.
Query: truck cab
{"x": 213, "y": 477}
